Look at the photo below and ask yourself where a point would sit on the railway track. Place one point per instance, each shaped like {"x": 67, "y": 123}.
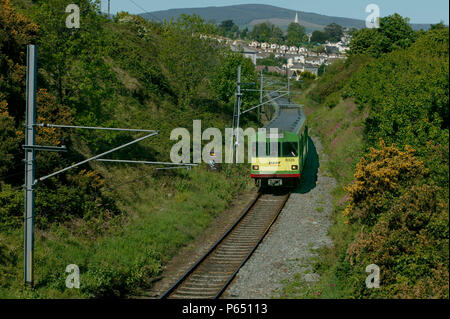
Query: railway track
{"x": 215, "y": 270}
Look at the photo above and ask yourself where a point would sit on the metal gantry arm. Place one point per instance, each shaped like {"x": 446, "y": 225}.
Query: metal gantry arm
{"x": 96, "y": 157}
{"x": 145, "y": 162}
{"x": 264, "y": 103}
{"x": 94, "y": 128}
{"x": 170, "y": 164}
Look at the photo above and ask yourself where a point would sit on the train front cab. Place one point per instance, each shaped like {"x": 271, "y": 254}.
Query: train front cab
{"x": 279, "y": 161}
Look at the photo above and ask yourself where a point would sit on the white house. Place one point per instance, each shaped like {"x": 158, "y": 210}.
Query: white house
{"x": 299, "y": 59}
{"x": 246, "y": 52}
{"x": 265, "y": 46}
{"x": 293, "y": 49}
{"x": 290, "y": 62}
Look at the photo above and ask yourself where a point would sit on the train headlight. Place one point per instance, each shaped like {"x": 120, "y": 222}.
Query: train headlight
{"x": 255, "y": 167}
{"x": 294, "y": 167}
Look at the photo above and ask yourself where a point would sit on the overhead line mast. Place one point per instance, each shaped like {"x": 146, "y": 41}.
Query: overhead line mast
{"x": 30, "y": 148}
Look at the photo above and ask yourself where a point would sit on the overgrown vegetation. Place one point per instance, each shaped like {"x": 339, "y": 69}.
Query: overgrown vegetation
{"x": 118, "y": 223}
{"x": 383, "y": 118}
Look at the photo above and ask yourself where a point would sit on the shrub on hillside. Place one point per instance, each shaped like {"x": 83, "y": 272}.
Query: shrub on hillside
{"x": 404, "y": 227}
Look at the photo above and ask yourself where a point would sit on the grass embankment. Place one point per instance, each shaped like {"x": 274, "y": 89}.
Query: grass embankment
{"x": 161, "y": 214}
{"x": 340, "y": 131}
{"x": 383, "y": 120}
{"x": 120, "y": 224}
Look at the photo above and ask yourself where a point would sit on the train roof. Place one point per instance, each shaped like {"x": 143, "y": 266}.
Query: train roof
{"x": 290, "y": 116}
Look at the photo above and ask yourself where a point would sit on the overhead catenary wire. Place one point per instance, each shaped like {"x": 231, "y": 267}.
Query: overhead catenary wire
{"x": 144, "y": 162}
{"x": 145, "y": 11}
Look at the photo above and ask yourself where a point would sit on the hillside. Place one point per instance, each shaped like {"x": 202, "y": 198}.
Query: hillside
{"x": 251, "y": 14}
{"x": 382, "y": 116}
{"x": 119, "y": 223}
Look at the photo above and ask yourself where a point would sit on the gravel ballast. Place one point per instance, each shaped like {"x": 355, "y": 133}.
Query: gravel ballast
{"x": 300, "y": 229}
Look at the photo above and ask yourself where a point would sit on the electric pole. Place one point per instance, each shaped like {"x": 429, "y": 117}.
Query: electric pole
{"x": 29, "y": 163}
{"x": 109, "y": 9}
{"x": 30, "y": 148}
{"x": 238, "y": 111}
{"x": 260, "y": 95}
{"x": 288, "y": 84}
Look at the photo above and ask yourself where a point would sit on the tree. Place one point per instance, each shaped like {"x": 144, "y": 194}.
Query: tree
{"x": 295, "y": 34}
{"x": 334, "y": 32}
{"x": 195, "y": 23}
{"x": 228, "y": 28}
{"x": 16, "y": 31}
{"x": 224, "y": 83}
{"x": 394, "y": 33}
{"x": 439, "y": 25}
{"x": 235, "y": 31}
{"x": 227, "y": 25}
{"x": 244, "y": 33}
{"x": 319, "y": 37}
{"x": 267, "y": 32}
{"x": 322, "y": 69}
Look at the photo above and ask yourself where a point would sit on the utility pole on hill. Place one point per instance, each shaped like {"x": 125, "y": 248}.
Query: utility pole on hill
{"x": 29, "y": 164}
{"x": 109, "y": 9}
{"x": 30, "y": 148}
{"x": 260, "y": 95}
{"x": 238, "y": 111}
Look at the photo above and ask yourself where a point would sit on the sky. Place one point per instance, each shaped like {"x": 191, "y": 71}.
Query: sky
{"x": 419, "y": 11}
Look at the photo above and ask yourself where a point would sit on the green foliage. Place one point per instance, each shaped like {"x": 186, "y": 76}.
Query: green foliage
{"x": 334, "y": 32}
{"x": 322, "y": 69}
{"x": 407, "y": 92}
{"x": 224, "y": 83}
{"x": 396, "y": 212}
{"x": 195, "y": 23}
{"x": 319, "y": 37}
{"x": 295, "y": 34}
{"x": 307, "y": 75}
{"x": 394, "y": 33}
{"x": 127, "y": 72}
{"x": 267, "y": 32}
{"x": 228, "y": 28}
{"x": 408, "y": 226}
{"x": 337, "y": 77}
{"x": 271, "y": 60}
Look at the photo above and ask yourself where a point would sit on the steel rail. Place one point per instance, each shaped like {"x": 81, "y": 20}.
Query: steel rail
{"x": 225, "y": 286}
{"x": 259, "y": 237}
{"x": 213, "y": 247}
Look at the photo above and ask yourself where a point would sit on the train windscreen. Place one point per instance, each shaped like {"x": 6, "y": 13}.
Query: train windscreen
{"x": 290, "y": 149}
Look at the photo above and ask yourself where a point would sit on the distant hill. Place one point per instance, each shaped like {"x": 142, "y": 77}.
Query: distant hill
{"x": 251, "y": 14}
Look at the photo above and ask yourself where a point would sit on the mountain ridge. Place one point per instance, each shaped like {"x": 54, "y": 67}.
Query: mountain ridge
{"x": 247, "y": 15}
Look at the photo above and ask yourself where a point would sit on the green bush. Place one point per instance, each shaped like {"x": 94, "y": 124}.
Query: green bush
{"x": 332, "y": 100}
